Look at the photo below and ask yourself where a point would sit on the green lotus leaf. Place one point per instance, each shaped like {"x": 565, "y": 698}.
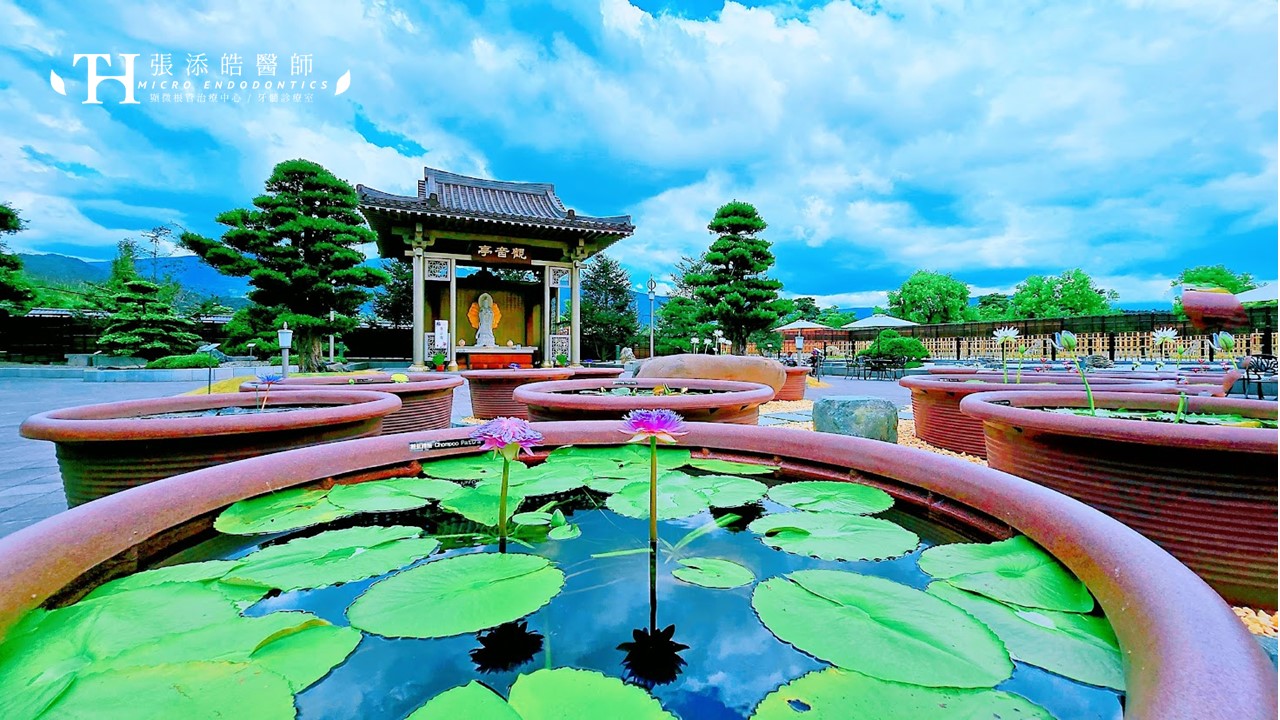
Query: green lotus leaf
{"x": 726, "y": 490}
{"x": 1013, "y": 571}
{"x": 281, "y": 511}
{"x": 675, "y": 500}
{"x": 591, "y": 453}
{"x": 831, "y": 496}
{"x": 560, "y": 694}
{"x": 190, "y": 690}
{"x": 834, "y": 536}
{"x": 1081, "y": 647}
{"x": 881, "y": 628}
{"x": 532, "y": 518}
{"x": 430, "y": 488}
{"x": 469, "y": 467}
{"x": 835, "y": 694}
{"x": 472, "y": 701}
{"x": 329, "y": 558}
{"x": 564, "y": 532}
{"x": 307, "y": 655}
{"x": 620, "y": 461}
{"x": 457, "y": 595}
{"x": 545, "y": 479}
{"x": 713, "y": 573}
{"x": 480, "y": 504}
{"x": 612, "y": 482}
{"x": 196, "y": 572}
{"x": 375, "y": 497}
{"x": 730, "y": 467}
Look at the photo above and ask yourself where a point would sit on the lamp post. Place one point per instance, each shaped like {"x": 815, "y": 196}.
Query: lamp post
{"x": 285, "y": 336}
{"x": 653, "y": 287}
{"x": 251, "y": 346}
{"x": 769, "y": 346}
{"x": 331, "y": 336}
{"x": 693, "y": 345}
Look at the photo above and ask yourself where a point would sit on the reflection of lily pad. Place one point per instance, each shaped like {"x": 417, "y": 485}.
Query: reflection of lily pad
{"x": 457, "y": 595}
{"x": 835, "y": 694}
{"x": 675, "y": 500}
{"x": 279, "y": 512}
{"x": 375, "y": 497}
{"x": 469, "y": 467}
{"x": 333, "y": 557}
{"x": 834, "y": 536}
{"x": 480, "y": 504}
{"x": 730, "y": 467}
{"x": 881, "y": 628}
{"x": 1081, "y": 647}
{"x": 726, "y": 490}
{"x": 1014, "y": 571}
{"x": 560, "y": 694}
{"x": 829, "y": 496}
{"x": 713, "y": 573}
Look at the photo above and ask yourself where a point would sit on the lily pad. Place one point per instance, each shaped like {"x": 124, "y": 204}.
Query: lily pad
{"x": 1014, "y": 571}
{"x": 480, "y": 504}
{"x": 881, "y": 628}
{"x": 713, "y": 573}
{"x": 375, "y": 497}
{"x": 726, "y": 490}
{"x": 469, "y": 467}
{"x": 829, "y": 496}
{"x": 730, "y": 467}
{"x": 674, "y": 501}
{"x": 333, "y": 557}
{"x": 1081, "y": 647}
{"x": 457, "y": 595}
{"x": 545, "y": 479}
{"x": 195, "y": 572}
{"x": 560, "y": 694}
{"x": 430, "y": 488}
{"x": 532, "y": 518}
{"x": 279, "y": 512}
{"x": 834, "y": 536}
{"x": 835, "y": 694}
{"x": 564, "y": 532}
{"x": 472, "y": 701}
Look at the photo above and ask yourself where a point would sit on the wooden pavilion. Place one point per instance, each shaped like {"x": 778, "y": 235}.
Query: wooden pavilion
{"x": 459, "y": 221}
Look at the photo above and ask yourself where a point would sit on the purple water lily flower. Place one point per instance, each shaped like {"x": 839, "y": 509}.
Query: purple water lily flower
{"x": 270, "y": 378}
{"x": 664, "y": 425}
{"x": 501, "y": 433}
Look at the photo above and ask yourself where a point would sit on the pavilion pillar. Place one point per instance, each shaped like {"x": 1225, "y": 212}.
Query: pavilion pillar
{"x": 547, "y": 360}
{"x": 575, "y": 320}
{"x": 419, "y": 310}
{"x": 453, "y": 315}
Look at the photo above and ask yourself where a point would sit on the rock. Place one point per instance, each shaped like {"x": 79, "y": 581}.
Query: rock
{"x": 857, "y": 415}
{"x": 1097, "y": 362}
{"x": 716, "y": 367}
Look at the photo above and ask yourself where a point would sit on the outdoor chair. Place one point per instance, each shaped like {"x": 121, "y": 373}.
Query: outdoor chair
{"x": 1258, "y": 369}
{"x": 856, "y": 367}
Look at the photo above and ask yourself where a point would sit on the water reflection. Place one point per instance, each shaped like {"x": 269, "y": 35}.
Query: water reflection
{"x": 506, "y": 647}
{"x": 652, "y": 655}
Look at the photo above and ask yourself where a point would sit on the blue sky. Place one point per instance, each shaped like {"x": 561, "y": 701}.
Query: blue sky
{"x": 990, "y": 140}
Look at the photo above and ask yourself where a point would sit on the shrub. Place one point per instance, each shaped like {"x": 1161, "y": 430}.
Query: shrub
{"x": 889, "y": 343}
{"x": 183, "y": 362}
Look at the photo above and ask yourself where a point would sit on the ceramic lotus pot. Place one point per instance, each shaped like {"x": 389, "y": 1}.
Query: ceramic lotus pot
{"x": 1207, "y": 494}
{"x": 491, "y": 390}
{"x": 426, "y": 399}
{"x": 1180, "y": 641}
{"x": 103, "y": 449}
{"x": 584, "y": 373}
{"x": 710, "y": 400}
{"x": 765, "y": 371}
{"x": 794, "y": 387}
{"x": 935, "y": 403}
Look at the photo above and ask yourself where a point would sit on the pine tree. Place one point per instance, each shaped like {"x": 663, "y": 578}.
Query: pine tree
{"x": 297, "y": 246}
{"x": 145, "y": 325}
{"x": 609, "y": 318}
{"x": 679, "y": 319}
{"x": 16, "y": 291}
{"x": 395, "y": 303}
{"x": 738, "y": 294}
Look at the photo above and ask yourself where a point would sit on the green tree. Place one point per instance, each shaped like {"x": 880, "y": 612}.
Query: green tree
{"x": 1071, "y": 294}
{"x": 16, "y": 291}
{"x": 609, "y": 318}
{"x": 891, "y": 343}
{"x": 145, "y": 325}
{"x": 1211, "y": 276}
{"x": 679, "y": 319}
{"x": 930, "y": 297}
{"x": 993, "y": 306}
{"x": 297, "y": 246}
{"x": 738, "y": 294}
{"x": 834, "y": 317}
{"x": 394, "y": 303}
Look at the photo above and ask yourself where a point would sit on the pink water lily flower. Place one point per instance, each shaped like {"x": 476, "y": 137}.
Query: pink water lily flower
{"x": 664, "y": 425}
{"x": 501, "y": 433}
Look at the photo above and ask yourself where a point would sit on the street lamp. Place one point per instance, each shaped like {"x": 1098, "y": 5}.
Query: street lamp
{"x": 770, "y": 347}
{"x": 653, "y": 288}
{"x": 693, "y": 344}
{"x": 251, "y": 346}
{"x": 285, "y": 336}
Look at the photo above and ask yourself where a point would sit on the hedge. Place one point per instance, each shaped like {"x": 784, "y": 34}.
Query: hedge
{"x": 183, "y": 362}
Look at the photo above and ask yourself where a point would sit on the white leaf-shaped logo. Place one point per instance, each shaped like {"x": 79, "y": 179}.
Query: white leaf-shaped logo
{"x": 58, "y": 86}
{"x": 343, "y": 83}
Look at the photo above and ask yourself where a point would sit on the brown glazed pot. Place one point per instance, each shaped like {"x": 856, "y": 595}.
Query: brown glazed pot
{"x": 585, "y": 373}
{"x": 1213, "y": 383}
{"x": 426, "y": 400}
{"x": 732, "y": 402}
{"x": 794, "y": 387}
{"x": 491, "y": 390}
{"x": 1206, "y": 494}
{"x": 935, "y": 404}
{"x": 1187, "y": 656}
{"x": 103, "y": 449}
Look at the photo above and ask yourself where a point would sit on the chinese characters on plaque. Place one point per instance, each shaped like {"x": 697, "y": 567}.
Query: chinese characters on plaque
{"x": 501, "y": 253}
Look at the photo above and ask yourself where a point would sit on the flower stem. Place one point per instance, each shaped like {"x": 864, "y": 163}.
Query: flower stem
{"x": 1088, "y": 391}
{"x": 653, "y": 491}
{"x": 502, "y": 506}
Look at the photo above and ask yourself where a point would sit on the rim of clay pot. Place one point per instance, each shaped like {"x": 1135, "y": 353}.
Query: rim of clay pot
{"x": 597, "y": 372}
{"x": 797, "y": 370}
{"x": 1021, "y": 409}
{"x": 428, "y": 384}
{"x": 1176, "y": 633}
{"x": 933, "y": 383}
{"x": 528, "y": 374}
{"x": 727, "y": 392}
{"x": 122, "y": 420}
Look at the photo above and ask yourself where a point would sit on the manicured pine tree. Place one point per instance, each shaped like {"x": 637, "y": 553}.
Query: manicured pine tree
{"x": 609, "y": 318}
{"x": 394, "y": 303}
{"x": 145, "y": 325}
{"x": 16, "y": 291}
{"x": 737, "y": 293}
{"x": 297, "y": 246}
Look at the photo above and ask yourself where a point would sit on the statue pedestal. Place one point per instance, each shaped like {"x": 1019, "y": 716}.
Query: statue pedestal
{"x": 496, "y": 358}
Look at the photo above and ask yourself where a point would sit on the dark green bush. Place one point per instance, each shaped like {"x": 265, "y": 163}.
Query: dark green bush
{"x": 183, "y": 362}
{"x": 889, "y": 343}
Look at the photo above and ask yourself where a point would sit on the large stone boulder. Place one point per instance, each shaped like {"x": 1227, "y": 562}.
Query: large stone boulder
{"x": 857, "y": 415}
{"x": 716, "y": 367}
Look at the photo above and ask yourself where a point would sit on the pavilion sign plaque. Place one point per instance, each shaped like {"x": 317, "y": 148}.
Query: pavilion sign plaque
{"x": 501, "y": 255}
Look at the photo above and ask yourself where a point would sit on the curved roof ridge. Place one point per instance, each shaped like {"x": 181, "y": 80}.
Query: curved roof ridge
{"x": 436, "y": 176}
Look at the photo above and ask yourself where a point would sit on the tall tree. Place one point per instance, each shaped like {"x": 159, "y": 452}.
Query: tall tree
{"x": 993, "y": 306}
{"x": 1216, "y": 276}
{"x": 680, "y": 319}
{"x": 739, "y": 296}
{"x": 124, "y": 270}
{"x": 1071, "y": 294}
{"x": 609, "y": 318}
{"x": 145, "y": 325}
{"x": 931, "y": 297}
{"x": 297, "y": 246}
{"x": 16, "y": 291}
{"x": 835, "y": 317}
{"x": 394, "y": 303}
{"x": 686, "y": 267}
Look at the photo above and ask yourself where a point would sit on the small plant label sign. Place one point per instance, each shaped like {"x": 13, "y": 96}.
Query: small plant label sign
{"x": 427, "y": 445}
